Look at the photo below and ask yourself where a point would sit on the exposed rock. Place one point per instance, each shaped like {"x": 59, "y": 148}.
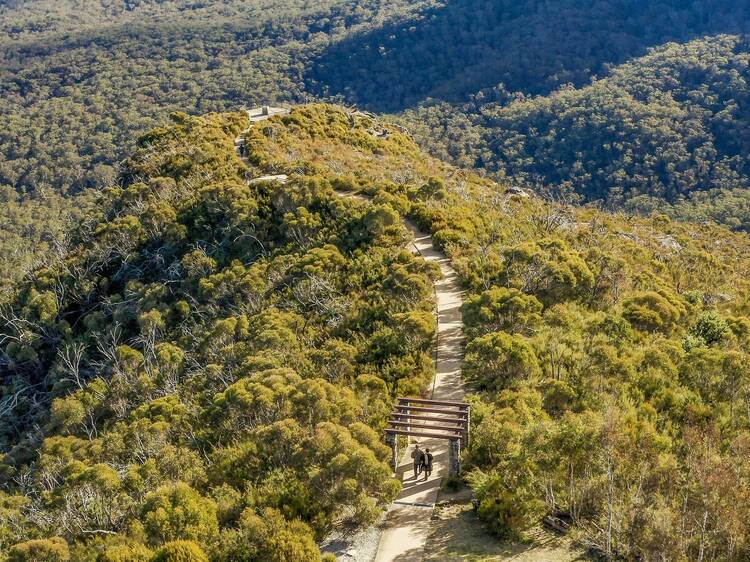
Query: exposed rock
{"x": 669, "y": 243}
{"x": 515, "y": 191}
{"x": 711, "y": 299}
{"x": 281, "y": 178}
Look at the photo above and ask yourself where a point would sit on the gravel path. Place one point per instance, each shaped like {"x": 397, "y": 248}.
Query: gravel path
{"x": 402, "y": 535}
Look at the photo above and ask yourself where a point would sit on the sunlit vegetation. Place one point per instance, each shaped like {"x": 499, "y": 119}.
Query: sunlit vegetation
{"x": 663, "y": 133}
{"x": 608, "y": 354}
{"x": 205, "y": 371}
{"x": 206, "y": 368}
{"x": 81, "y": 81}
{"x": 81, "y": 84}
{"x": 200, "y": 369}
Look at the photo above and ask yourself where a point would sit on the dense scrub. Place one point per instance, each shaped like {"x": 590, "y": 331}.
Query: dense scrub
{"x": 205, "y": 371}
{"x": 450, "y": 50}
{"x": 32, "y": 228}
{"x": 655, "y": 135}
{"x": 608, "y": 354}
{"x": 81, "y": 81}
{"x": 612, "y": 374}
{"x": 211, "y": 361}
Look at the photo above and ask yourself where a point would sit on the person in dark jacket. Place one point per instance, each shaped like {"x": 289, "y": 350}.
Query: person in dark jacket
{"x": 417, "y": 457}
{"x": 427, "y": 467}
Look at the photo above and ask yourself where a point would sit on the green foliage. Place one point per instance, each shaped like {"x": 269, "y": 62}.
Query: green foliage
{"x": 652, "y": 311}
{"x": 189, "y": 364}
{"x": 32, "y": 225}
{"x": 126, "y": 553}
{"x": 710, "y": 327}
{"x": 508, "y": 511}
{"x": 268, "y": 537}
{"x": 682, "y": 101}
{"x": 54, "y": 549}
{"x": 586, "y": 400}
{"x": 203, "y": 348}
{"x": 180, "y": 551}
{"x": 179, "y": 512}
{"x": 499, "y": 360}
{"x": 499, "y": 308}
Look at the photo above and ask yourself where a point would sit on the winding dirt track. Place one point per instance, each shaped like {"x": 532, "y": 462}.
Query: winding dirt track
{"x": 407, "y": 523}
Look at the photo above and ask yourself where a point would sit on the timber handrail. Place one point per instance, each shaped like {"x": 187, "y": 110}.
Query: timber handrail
{"x": 454, "y": 403}
{"x": 453, "y": 428}
{"x": 449, "y": 436}
{"x": 401, "y": 416}
{"x": 433, "y": 410}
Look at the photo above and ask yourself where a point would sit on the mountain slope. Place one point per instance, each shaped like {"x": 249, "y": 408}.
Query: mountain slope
{"x": 607, "y": 354}
{"x": 208, "y": 353}
{"x": 81, "y": 81}
{"x": 451, "y": 49}
{"x": 230, "y": 351}
{"x": 660, "y": 128}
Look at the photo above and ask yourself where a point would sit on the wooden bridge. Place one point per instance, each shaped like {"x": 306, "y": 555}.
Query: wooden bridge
{"x": 430, "y": 419}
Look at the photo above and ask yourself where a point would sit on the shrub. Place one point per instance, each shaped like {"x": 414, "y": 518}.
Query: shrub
{"x": 652, "y": 311}
{"x": 710, "y": 327}
{"x": 126, "y": 553}
{"x": 180, "y": 551}
{"x": 179, "y": 512}
{"x": 269, "y": 538}
{"x": 498, "y": 360}
{"x": 507, "y": 509}
{"x": 504, "y": 309}
{"x": 54, "y": 549}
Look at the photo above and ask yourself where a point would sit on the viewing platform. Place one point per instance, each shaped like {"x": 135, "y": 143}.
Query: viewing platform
{"x": 265, "y": 112}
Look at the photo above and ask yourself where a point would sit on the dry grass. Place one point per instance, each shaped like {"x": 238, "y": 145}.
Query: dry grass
{"x": 457, "y": 536}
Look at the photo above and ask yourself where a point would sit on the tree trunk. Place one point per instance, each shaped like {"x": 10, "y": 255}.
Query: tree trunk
{"x": 702, "y": 549}
{"x": 610, "y": 509}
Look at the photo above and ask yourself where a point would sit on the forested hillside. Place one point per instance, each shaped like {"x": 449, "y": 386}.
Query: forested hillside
{"x": 82, "y": 79}
{"x": 208, "y": 362}
{"x": 664, "y": 128}
{"x": 191, "y": 366}
{"x": 32, "y": 229}
{"x": 212, "y": 362}
{"x": 452, "y": 49}
{"x": 607, "y": 353}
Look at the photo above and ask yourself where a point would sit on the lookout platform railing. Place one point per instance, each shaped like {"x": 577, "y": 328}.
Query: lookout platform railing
{"x": 430, "y": 419}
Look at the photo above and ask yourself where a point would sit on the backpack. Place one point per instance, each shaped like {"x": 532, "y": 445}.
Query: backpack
{"x": 428, "y": 459}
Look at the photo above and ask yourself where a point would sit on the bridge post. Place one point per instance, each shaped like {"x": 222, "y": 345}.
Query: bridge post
{"x": 392, "y": 440}
{"x": 454, "y": 457}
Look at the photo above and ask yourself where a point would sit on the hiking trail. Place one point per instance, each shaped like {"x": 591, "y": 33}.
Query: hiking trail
{"x": 407, "y": 523}
{"x": 408, "y": 519}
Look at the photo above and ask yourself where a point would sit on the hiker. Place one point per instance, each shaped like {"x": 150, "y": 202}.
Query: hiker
{"x": 417, "y": 457}
{"x": 427, "y": 467}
